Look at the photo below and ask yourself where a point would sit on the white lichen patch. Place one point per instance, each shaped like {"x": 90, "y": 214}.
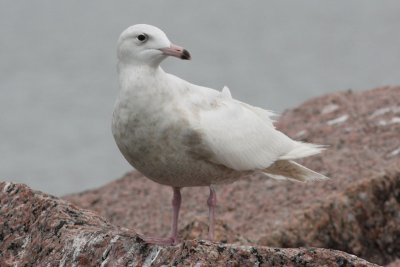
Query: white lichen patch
{"x": 392, "y": 121}
{"x": 27, "y": 240}
{"x": 152, "y": 256}
{"x": 95, "y": 239}
{"x": 243, "y": 247}
{"x": 395, "y": 120}
{"x": 7, "y": 185}
{"x": 63, "y": 259}
{"x": 382, "y": 111}
{"x": 107, "y": 250}
{"x": 338, "y": 120}
{"x": 395, "y": 152}
{"x": 79, "y": 243}
{"x": 382, "y": 123}
{"x": 329, "y": 108}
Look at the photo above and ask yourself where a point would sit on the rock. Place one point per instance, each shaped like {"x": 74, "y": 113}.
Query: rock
{"x": 395, "y": 263}
{"x": 363, "y": 220}
{"x": 359, "y": 214}
{"x": 198, "y": 229}
{"x": 37, "y": 229}
{"x": 362, "y": 131}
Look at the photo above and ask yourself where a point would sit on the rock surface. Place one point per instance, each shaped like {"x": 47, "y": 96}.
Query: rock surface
{"x": 356, "y": 211}
{"x": 40, "y": 230}
{"x": 395, "y": 263}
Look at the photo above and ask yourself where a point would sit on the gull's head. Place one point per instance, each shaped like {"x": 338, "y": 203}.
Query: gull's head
{"x": 143, "y": 44}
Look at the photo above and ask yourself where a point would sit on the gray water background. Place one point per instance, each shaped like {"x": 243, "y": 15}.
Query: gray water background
{"x": 58, "y": 80}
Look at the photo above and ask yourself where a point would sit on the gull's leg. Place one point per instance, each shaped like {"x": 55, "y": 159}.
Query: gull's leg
{"x": 211, "y": 202}
{"x": 176, "y": 205}
{"x": 173, "y": 239}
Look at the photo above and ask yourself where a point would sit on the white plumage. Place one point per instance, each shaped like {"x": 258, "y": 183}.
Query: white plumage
{"x": 243, "y": 138}
{"x": 180, "y": 134}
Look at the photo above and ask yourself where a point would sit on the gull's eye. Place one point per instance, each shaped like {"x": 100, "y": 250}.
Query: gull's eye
{"x": 142, "y": 37}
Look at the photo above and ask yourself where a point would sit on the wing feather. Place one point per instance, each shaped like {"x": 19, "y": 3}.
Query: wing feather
{"x": 240, "y": 136}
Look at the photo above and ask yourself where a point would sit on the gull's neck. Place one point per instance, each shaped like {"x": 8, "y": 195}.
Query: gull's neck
{"x": 138, "y": 69}
{"x": 139, "y": 75}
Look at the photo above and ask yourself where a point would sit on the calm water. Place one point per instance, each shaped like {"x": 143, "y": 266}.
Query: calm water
{"x": 58, "y": 80}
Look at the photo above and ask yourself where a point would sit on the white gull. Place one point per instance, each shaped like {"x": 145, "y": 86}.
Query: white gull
{"x": 180, "y": 134}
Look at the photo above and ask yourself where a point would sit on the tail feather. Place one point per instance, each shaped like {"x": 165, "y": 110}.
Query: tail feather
{"x": 302, "y": 150}
{"x": 290, "y": 170}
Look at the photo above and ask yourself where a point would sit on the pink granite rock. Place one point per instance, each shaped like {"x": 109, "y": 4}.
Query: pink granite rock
{"x": 395, "y": 263}
{"x": 41, "y": 230}
{"x": 198, "y": 229}
{"x": 357, "y": 211}
{"x": 363, "y": 220}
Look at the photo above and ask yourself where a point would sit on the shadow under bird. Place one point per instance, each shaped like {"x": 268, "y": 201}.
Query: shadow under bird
{"x": 180, "y": 134}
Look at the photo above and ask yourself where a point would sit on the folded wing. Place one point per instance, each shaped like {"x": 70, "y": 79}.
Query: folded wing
{"x": 243, "y": 137}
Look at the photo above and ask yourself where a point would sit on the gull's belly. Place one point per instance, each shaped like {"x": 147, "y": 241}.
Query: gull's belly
{"x": 154, "y": 145}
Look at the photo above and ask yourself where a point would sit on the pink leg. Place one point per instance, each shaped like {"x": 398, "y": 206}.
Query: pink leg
{"x": 173, "y": 240}
{"x": 176, "y": 205}
{"x": 211, "y": 202}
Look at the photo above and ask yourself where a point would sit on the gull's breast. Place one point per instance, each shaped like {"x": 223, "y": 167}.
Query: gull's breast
{"x": 162, "y": 144}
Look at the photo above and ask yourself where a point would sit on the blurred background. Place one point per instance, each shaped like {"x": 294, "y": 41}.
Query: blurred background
{"x": 58, "y": 78}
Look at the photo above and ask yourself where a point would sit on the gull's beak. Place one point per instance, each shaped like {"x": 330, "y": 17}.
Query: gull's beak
{"x": 176, "y": 51}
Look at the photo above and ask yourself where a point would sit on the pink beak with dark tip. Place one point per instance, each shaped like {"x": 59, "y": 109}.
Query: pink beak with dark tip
{"x": 176, "y": 51}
